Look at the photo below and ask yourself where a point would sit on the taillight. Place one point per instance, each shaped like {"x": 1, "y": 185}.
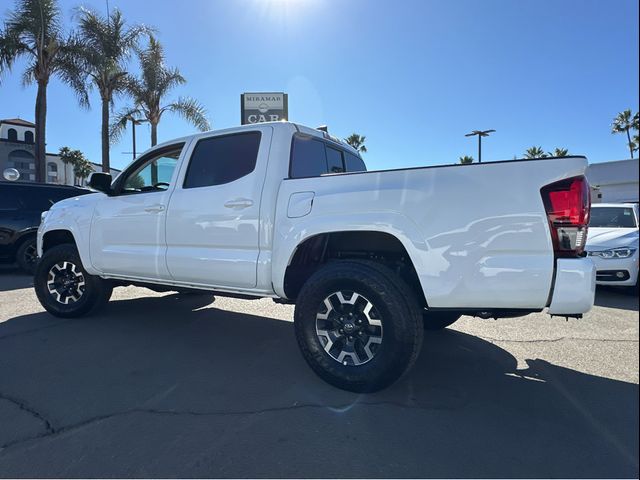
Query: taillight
{"x": 568, "y": 203}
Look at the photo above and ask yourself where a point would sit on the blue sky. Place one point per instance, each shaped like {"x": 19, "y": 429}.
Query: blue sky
{"x": 413, "y": 76}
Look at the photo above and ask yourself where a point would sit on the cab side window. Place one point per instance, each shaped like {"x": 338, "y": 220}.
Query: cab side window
{"x": 222, "y": 159}
{"x": 154, "y": 174}
{"x": 308, "y": 158}
{"x": 312, "y": 157}
{"x": 354, "y": 163}
{"x": 334, "y": 161}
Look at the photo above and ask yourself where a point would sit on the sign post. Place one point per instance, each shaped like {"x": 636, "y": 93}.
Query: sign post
{"x": 263, "y": 107}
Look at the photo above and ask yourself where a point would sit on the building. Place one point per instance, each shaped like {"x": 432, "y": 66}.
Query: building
{"x": 18, "y": 150}
{"x": 615, "y": 181}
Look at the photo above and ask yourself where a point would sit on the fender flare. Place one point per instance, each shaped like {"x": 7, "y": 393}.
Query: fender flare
{"x": 299, "y": 230}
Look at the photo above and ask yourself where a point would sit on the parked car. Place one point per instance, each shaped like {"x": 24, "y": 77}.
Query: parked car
{"x": 369, "y": 258}
{"x": 21, "y": 205}
{"x": 613, "y": 244}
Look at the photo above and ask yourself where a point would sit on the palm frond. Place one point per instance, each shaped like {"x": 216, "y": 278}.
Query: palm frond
{"x": 120, "y": 121}
{"x": 192, "y": 111}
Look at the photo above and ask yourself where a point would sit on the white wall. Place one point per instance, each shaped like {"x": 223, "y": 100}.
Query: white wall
{"x": 617, "y": 181}
{"x": 4, "y": 131}
{"x": 64, "y": 175}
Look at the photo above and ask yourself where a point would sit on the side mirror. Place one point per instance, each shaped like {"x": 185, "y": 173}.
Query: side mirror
{"x": 100, "y": 181}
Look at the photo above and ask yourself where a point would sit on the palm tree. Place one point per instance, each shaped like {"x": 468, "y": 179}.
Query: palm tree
{"x": 107, "y": 44}
{"x": 623, "y": 123}
{"x": 559, "y": 152}
{"x": 466, "y": 159}
{"x": 148, "y": 92}
{"x": 535, "y": 152}
{"x": 33, "y": 31}
{"x": 82, "y": 168}
{"x": 357, "y": 142}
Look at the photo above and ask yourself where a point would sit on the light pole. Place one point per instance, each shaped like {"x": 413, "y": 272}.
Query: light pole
{"x": 480, "y": 134}
{"x": 135, "y": 122}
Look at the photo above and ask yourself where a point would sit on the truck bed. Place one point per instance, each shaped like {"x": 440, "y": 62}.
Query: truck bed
{"x": 477, "y": 234}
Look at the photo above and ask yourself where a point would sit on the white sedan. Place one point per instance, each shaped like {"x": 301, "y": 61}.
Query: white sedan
{"x": 612, "y": 243}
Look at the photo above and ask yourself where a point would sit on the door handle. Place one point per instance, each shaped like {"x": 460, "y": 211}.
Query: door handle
{"x": 239, "y": 203}
{"x": 154, "y": 208}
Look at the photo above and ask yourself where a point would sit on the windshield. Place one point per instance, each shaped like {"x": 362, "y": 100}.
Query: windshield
{"x": 612, "y": 217}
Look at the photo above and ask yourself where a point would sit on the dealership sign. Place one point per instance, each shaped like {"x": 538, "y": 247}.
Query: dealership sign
{"x": 263, "y": 107}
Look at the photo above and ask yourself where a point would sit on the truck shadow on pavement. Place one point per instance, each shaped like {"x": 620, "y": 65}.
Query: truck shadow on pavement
{"x": 172, "y": 386}
{"x": 11, "y": 278}
{"x": 612, "y": 297}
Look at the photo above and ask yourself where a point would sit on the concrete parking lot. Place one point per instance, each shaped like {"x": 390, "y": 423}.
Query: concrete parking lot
{"x": 163, "y": 385}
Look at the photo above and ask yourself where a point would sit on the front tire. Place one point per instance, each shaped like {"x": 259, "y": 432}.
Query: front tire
{"x": 358, "y": 325}
{"x": 63, "y": 286}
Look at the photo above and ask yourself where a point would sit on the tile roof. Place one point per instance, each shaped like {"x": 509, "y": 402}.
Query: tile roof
{"x": 18, "y": 121}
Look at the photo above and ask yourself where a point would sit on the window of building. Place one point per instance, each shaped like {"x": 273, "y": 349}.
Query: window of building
{"x": 223, "y": 159}
{"x": 12, "y": 135}
{"x": 52, "y": 172}
{"x": 28, "y": 136}
{"x": 21, "y": 159}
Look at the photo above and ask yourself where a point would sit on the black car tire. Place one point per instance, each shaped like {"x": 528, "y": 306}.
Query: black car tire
{"x": 27, "y": 255}
{"x": 395, "y": 308}
{"x": 92, "y": 292}
{"x": 438, "y": 320}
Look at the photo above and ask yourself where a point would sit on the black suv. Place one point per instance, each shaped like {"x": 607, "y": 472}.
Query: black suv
{"x": 21, "y": 205}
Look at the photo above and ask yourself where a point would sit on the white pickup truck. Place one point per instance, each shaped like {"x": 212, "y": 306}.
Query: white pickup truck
{"x": 370, "y": 259}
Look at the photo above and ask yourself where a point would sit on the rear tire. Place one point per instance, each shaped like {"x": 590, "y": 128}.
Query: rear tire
{"x": 438, "y": 320}
{"x": 27, "y": 255}
{"x": 63, "y": 286}
{"x": 358, "y": 325}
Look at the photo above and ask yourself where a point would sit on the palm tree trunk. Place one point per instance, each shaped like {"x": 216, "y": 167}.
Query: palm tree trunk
{"x": 154, "y": 142}
{"x": 154, "y": 134}
{"x": 105, "y": 135}
{"x": 629, "y": 141}
{"x": 41, "y": 126}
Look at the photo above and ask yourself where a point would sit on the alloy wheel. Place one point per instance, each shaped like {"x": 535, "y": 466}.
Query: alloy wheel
{"x": 349, "y": 328}
{"x": 66, "y": 282}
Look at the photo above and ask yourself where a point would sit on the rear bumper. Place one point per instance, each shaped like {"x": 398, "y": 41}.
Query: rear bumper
{"x": 575, "y": 286}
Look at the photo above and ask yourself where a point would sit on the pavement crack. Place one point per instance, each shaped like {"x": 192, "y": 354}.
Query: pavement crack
{"x": 560, "y": 339}
{"x": 52, "y": 432}
{"x": 22, "y": 405}
{"x": 37, "y": 329}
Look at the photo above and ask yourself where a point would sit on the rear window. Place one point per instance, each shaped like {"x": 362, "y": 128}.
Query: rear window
{"x": 9, "y": 198}
{"x": 41, "y": 199}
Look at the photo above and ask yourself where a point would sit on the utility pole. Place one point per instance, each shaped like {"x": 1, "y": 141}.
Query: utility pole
{"x": 480, "y": 134}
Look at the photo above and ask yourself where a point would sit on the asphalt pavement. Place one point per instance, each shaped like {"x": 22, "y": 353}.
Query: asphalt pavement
{"x": 168, "y": 385}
